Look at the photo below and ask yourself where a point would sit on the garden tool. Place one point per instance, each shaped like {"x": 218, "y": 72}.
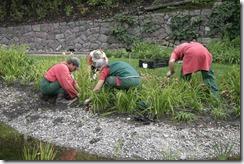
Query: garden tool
{"x": 143, "y": 113}
{"x": 144, "y": 120}
{"x": 73, "y": 102}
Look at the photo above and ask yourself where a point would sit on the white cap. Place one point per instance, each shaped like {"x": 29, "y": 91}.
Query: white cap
{"x": 97, "y": 54}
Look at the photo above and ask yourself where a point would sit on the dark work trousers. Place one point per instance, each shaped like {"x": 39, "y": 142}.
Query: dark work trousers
{"x": 208, "y": 79}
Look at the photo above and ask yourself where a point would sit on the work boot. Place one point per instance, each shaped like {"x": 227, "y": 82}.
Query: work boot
{"x": 61, "y": 101}
{"x": 43, "y": 97}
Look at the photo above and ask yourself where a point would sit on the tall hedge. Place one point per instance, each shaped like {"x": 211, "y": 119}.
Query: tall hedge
{"x": 225, "y": 19}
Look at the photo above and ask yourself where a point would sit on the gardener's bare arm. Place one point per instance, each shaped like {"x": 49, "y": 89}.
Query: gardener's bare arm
{"x": 98, "y": 86}
{"x": 171, "y": 67}
{"x": 77, "y": 87}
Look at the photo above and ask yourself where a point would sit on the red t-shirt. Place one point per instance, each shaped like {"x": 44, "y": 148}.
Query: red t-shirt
{"x": 104, "y": 73}
{"x": 60, "y": 72}
{"x": 194, "y": 55}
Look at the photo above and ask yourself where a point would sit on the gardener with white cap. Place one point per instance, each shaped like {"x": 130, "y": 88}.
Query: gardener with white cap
{"x": 120, "y": 75}
{"x": 93, "y": 55}
{"x": 58, "y": 81}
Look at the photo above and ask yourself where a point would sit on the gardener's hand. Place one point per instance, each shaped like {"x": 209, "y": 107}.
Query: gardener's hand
{"x": 87, "y": 101}
{"x": 169, "y": 74}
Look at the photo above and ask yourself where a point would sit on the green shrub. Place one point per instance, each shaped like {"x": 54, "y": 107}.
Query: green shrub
{"x": 201, "y": 1}
{"x": 185, "y": 27}
{"x": 145, "y": 50}
{"x": 123, "y": 23}
{"x": 225, "y": 51}
{"x": 2, "y": 12}
{"x": 68, "y": 10}
{"x": 225, "y": 19}
{"x": 122, "y": 53}
{"x": 17, "y": 10}
{"x": 106, "y": 3}
{"x": 15, "y": 64}
{"x": 121, "y": 34}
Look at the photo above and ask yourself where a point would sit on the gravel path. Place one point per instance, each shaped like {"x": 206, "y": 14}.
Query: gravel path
{"x": 114, "y": 137}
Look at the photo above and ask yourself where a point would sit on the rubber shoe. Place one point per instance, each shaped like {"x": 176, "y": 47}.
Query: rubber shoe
{"x": 43, "y": 97}
{"x": 62, "y": 102}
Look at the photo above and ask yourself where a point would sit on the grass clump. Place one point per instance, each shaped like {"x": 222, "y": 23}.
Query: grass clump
{"x": 184, "y": 116}
{"x": 225, "y": 51}
{"x": 41, "y": 151}
{"x": 146, "y": 50}
{"x": 15, "y": 64}
{"x": 223, "y": 152}
{"x": 219, "y": 114}
{"x": 126, "y": 102}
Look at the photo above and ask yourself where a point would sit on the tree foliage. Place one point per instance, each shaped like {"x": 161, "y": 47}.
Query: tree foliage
{"x": 185, "y": 27}
{"x": 23, "y": 10}
{"x": 225, "y": 19}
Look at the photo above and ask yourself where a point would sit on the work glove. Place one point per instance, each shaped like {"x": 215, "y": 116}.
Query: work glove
{"x": 94, "y": 77}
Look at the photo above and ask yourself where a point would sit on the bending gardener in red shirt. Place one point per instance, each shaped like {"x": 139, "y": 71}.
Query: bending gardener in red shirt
{"x": 195, "y": 58}
{"x": 58, "y": 81}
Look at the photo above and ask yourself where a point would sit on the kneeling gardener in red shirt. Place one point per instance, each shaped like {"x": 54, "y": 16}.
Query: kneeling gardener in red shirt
{"x": 58, "y": 80}
{"x": 195, "y": 58}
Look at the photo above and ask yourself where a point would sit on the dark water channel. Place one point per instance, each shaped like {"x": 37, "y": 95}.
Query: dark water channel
{"x": 12, "y": 146}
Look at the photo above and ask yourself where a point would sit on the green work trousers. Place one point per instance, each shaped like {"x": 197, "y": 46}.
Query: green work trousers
{"x": 208, "y": 79}
{"x": 124, "y": 82}
{"x": 50, "y": 88}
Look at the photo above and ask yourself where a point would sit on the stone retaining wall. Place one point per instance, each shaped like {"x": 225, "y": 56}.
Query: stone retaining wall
{"x": 87, "y": 35}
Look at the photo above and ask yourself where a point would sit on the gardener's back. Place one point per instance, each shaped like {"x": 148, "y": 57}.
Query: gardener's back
{"x": 122, "y": 69}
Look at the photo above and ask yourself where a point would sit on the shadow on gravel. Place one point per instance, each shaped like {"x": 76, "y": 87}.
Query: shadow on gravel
{"x": 24, "y": 99}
